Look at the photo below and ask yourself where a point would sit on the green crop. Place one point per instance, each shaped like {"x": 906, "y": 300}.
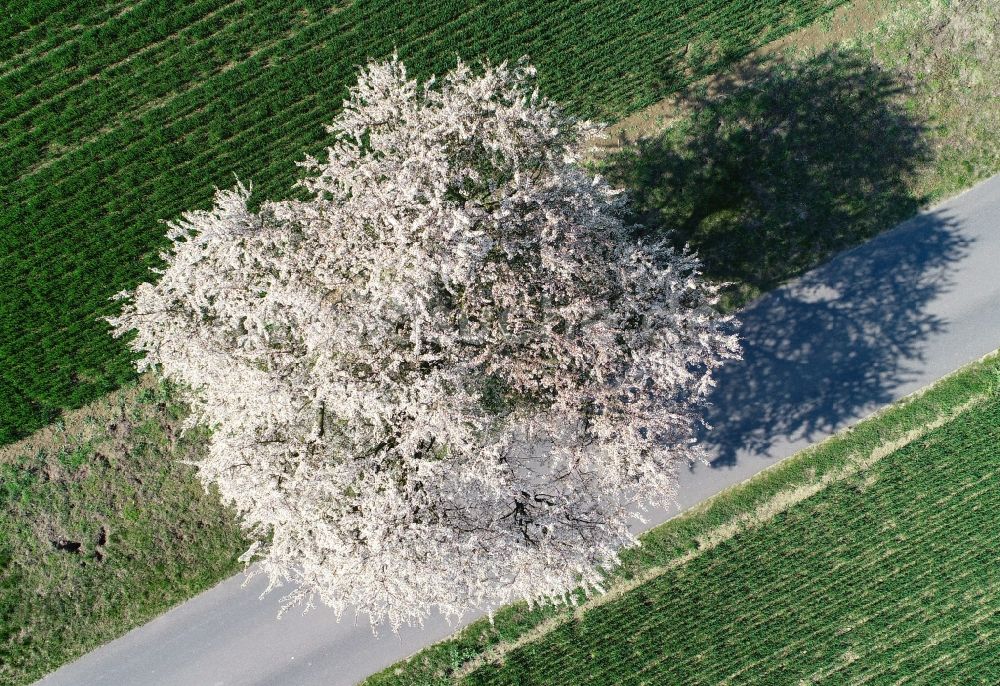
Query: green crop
{"x": 890, "y": 574}
{"x": 115, "y": 115}
{"x": 886, "y": 572}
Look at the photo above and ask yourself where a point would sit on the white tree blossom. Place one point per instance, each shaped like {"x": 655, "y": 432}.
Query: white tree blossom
{"x": 453, "y": 374}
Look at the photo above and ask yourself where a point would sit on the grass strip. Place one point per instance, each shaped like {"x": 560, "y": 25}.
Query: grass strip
{"x": 101, "y": 529}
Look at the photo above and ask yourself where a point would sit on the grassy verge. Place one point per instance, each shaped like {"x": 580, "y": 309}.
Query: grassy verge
{"x": 799, "y": 152}
{"x": 871, "y": 554}
{"x": 101, "y": 529}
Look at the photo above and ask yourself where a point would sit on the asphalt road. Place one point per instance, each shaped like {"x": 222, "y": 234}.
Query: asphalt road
{"x": 868, "y": 328}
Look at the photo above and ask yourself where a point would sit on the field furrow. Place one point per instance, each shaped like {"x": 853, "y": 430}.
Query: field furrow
{"x": 869, "y": 581}
{"x": 115, "y": 116}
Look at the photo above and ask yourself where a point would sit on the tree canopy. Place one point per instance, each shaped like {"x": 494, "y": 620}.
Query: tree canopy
{"x": 454, "y": 373}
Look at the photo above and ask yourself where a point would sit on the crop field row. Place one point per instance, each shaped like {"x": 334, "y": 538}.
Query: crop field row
{"x": 114, "y": 116}
{"x": 856, "y": 561}
{"x": 890, "y": 575}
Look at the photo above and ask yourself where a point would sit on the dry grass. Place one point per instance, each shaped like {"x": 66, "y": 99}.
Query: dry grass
{"x": 819, "y": 141}
{"x": 844, "y": 23}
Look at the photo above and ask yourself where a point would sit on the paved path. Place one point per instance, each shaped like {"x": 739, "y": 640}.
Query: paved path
{"x": 873, "y": 325}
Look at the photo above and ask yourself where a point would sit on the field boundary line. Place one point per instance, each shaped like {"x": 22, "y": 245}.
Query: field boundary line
{"x": 78, "y": 422}
{"x": 762, "y": 514}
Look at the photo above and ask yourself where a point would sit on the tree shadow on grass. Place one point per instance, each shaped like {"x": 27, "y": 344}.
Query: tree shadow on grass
{"x": 792, "y": 163}
{"x": 770, "y": 179}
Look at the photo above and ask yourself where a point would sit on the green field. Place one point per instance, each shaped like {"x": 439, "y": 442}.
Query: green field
{"x": 114, "y": 115}
{"x": 849, "y": 563}
{"x": 890, "y": 574}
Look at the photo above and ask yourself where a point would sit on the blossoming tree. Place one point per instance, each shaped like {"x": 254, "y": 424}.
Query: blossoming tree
{"x": 453, "y": 374}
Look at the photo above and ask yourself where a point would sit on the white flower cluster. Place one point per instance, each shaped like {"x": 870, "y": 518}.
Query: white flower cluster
{"x": 452, "y": 375}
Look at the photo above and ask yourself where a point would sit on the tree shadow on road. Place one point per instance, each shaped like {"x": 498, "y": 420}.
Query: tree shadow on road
{"x": 835, "y": 344}
{"x": 770, "y": 176}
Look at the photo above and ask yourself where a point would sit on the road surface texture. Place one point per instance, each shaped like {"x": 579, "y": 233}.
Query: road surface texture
{"x": 872, "y": 325}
